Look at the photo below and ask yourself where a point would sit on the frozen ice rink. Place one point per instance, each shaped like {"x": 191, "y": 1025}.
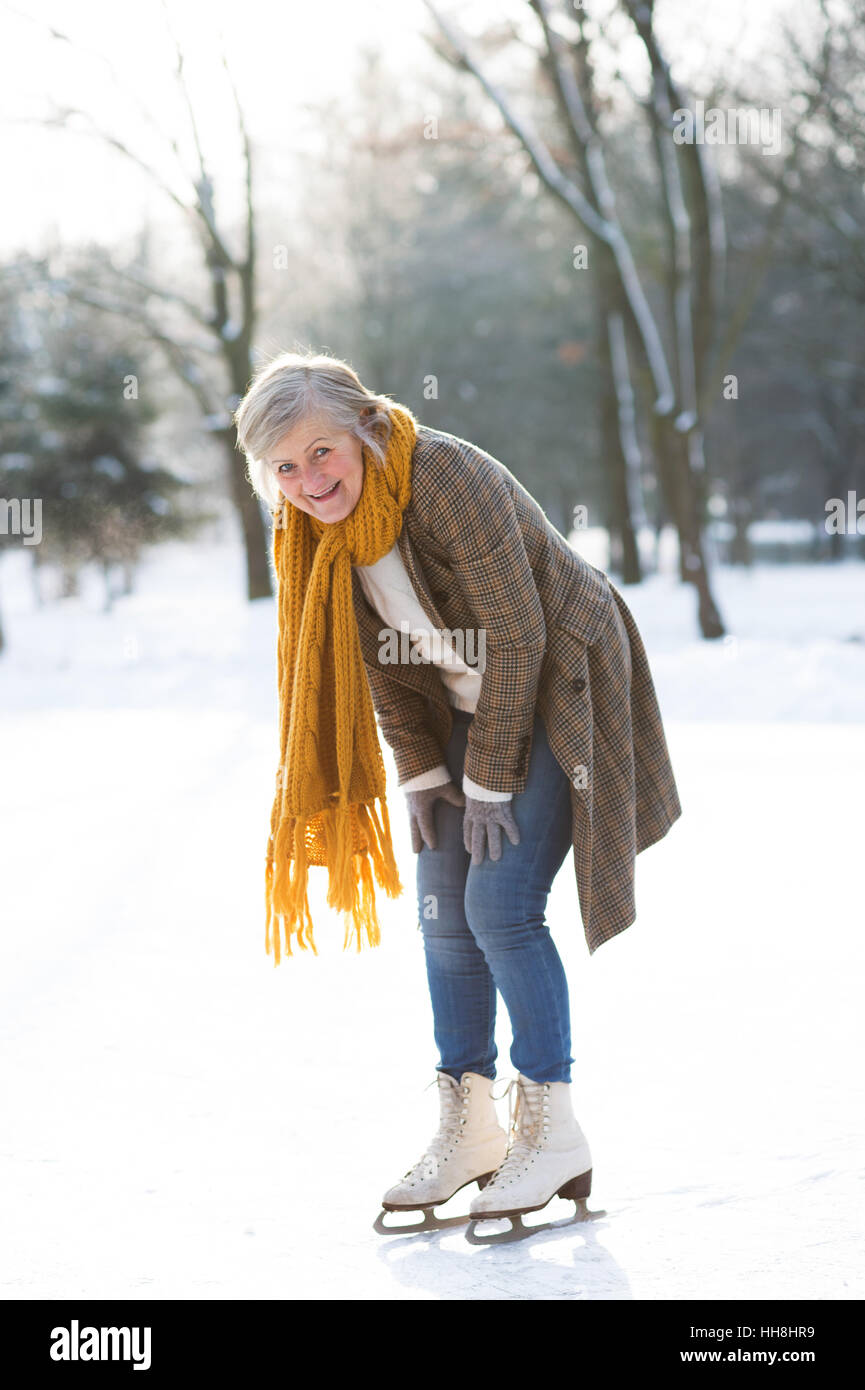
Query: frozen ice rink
{"x": 182, "y": 1120}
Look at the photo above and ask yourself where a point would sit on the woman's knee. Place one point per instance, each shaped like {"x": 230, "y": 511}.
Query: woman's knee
{"x": 495, "y": 918}
{"x": 441, "y": 916}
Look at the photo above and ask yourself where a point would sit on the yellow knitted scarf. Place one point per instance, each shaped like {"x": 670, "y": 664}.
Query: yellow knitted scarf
{"x": 331, "y": 771}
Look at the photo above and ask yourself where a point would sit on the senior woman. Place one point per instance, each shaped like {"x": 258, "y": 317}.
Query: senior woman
{"x": 403, "y": 552}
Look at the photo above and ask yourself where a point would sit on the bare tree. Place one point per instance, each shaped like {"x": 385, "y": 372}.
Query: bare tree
{"x": 212, "y": 353}
{"x": 675, "y": 425}
{"x": 620, "y": 442}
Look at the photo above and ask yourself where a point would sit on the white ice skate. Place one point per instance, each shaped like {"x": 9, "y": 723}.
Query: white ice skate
{"x": 468, "y": 1147}
{"x": 548, "y": 1156}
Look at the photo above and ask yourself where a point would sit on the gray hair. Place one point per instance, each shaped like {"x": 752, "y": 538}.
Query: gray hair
{"x": 292, "y": 386}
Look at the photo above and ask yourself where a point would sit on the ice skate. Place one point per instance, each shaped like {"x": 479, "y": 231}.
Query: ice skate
{"x": 548, "y": 1156}
{"x": 468, "y": 1146}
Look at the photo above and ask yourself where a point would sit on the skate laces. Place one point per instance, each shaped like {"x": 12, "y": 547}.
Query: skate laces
{"x": 525, "y": 1129}
{"x": 449, "y": 1127}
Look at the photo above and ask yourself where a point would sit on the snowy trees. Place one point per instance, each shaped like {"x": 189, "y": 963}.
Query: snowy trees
{"x": 211, "y": 351}
{"x": 73, "y": 437}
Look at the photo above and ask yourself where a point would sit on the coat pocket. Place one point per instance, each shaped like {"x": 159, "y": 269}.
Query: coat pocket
{"x": 565, "y": 704}
{"x": 569, "y": 654}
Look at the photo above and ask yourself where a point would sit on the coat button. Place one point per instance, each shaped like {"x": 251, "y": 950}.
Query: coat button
{"x": 580, "y": 684}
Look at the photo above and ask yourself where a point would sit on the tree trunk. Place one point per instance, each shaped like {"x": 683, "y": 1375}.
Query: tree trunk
{"x": 109, "y": 590}
{"x": 68, "y": 582}
{"x": 672, "y": 451}
{"x": 741, "y": 551}
{"x": 258, "y": 581}
{"x": 740, "y": 546}
{"x": 36, "y": 578}
{"x": 622, "y": 450}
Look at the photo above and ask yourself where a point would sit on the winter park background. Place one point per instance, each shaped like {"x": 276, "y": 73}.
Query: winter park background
{"x": 179, "y": 1118}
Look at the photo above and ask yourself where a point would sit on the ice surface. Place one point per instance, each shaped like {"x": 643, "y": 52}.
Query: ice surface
{"x": 182, "y": 1120}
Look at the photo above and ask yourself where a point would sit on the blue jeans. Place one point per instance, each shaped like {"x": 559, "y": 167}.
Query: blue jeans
{"x": 484, "y": 929}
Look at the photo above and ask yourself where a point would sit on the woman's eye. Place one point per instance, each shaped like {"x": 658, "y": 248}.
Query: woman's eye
{"x": 289, "y": 467}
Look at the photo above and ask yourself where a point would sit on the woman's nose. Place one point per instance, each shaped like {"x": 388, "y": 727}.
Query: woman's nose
{"x": 312, "y": 483}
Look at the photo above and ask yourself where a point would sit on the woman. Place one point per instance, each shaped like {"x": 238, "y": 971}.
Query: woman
{"x": 406, "y": 552}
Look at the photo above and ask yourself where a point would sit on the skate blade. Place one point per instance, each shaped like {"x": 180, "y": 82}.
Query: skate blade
{"x": 518, "y": 1229}
{"x": 430, "y": 1222}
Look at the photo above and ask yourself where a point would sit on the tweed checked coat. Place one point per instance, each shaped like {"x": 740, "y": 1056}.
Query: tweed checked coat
{"x": 559, "y": 641}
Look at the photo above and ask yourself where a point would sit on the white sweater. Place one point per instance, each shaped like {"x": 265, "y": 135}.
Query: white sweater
{"x": 390, "y": 591}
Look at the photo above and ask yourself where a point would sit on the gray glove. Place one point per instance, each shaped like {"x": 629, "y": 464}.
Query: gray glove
{"x": 420, "y": 812}
{"x": 485, "y": 820}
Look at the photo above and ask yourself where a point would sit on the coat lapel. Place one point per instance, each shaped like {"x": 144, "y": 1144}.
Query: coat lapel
{"x": 410, "y": 558}
{"x": 416, "y": 575}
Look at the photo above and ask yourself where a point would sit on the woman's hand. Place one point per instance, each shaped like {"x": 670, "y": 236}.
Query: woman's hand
{"x": 484, "y": 821}
{"x": 420, "y": 812}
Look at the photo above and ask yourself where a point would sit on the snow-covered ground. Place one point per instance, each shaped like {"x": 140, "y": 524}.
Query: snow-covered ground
{"x": 179, "y": 1119}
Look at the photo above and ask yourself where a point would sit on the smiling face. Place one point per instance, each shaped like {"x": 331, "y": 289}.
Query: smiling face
{"x": 318, "y": 468}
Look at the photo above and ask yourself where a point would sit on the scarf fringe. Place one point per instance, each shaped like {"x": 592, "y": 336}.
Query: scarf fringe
{"x": 350, "y": 883}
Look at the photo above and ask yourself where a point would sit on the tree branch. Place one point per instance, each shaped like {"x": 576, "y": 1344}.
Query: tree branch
{"x": 605, "y": 228}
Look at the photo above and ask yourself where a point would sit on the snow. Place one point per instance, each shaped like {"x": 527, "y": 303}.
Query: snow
{"x": 184, "y": 1120}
